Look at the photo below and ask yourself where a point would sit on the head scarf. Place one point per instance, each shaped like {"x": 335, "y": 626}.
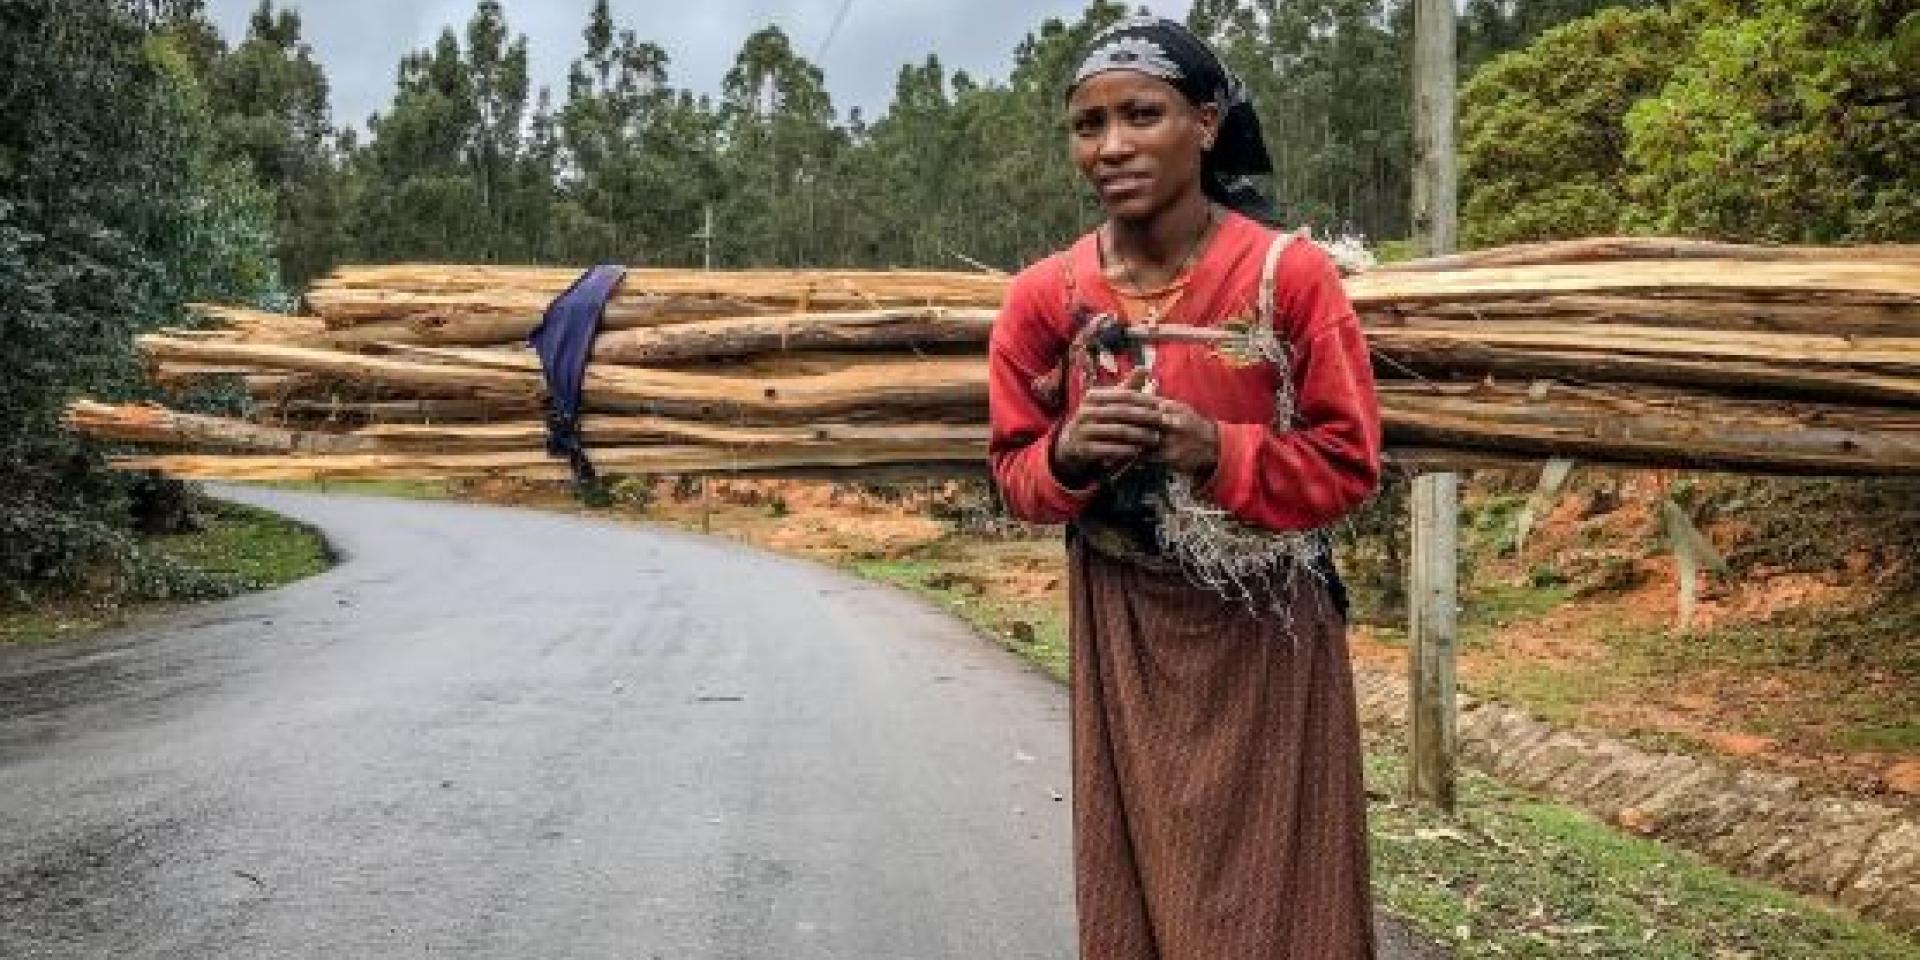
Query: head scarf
{"x": 1167, "y": 50}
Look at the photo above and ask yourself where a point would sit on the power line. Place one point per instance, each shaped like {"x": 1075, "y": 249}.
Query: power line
{"x": 834, "y": 30}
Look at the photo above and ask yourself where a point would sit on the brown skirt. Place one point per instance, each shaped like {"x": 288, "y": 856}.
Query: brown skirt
{"x": 1219, "y": 811}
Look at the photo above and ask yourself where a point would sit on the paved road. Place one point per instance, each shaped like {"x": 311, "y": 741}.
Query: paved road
{"x": 495, "y": 733}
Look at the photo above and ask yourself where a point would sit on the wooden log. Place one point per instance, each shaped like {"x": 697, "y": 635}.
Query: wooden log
{"x": 180, "y": 376}
{"x": 146, "y": 423}
{"x": 425, "y": 411}
{"x": 1880, "y": 370}
{"x": 1828, "y": 282}
{"x": 157, "y": 425}
{"x": 614, "y": 430}
{"x": 922, "y": 285}
{"x": 1844, "y": 369}
{"x": 888, "y": 389}
{"x": 252, "y": 326}
{"x": 1868, "y": 370}
{"x": 260, "y": 326}
{"x": 1857, "y": 319}
{"x": 354, "y": 297}
{"x": 1474, "y": 361}
{"x": 1651, "y": 426}
{"x": 1607, "y": 426}
{"x": 427, "y": 378}
{"x": 1838, "y": 280}
{"x": 744, "y": 336}
{"x": 1855, "y": 292}
{"x": 779, "y": 366}
{"x": 1642, "y": 424}
{"x": 1616, "y": 249}
{"x": 536, "y": 464}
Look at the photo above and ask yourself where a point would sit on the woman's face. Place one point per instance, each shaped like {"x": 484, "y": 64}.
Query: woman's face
{"x": 1138, "y": 141}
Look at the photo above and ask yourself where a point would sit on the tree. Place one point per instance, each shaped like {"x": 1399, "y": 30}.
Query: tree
{"x": 780, "y": 148}
{"x": 448, "y": 171}
{"x": 115, "y": 207}
{"x": 1788, "y": 120}
{"x": 1330, "y": 81}
{"x": 515, "y": 189}
{"x": 1489, "y": 28}
{"x": 1023, "y": 191}
{"x": 1542, "y": 136}
{"x": 269, "y": 100}
{"x": 639, "y": 158}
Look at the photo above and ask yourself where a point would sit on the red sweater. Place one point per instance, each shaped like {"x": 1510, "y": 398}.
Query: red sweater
{"x": 1300, "y": 479}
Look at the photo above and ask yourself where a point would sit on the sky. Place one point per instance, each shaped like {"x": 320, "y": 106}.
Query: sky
{"x": 360, "y": 42}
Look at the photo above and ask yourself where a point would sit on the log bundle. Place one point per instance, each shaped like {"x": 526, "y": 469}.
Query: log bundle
{"x": 1617, "y": 350}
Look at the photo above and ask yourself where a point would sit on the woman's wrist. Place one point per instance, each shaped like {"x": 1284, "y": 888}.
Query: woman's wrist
{"x": 1209, "y": 451}
{"x": 1066, "y": 472}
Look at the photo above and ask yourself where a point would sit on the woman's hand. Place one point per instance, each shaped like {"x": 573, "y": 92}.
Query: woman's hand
{"x": 1189, "y": 442}
{"x": 1111, "y": 427}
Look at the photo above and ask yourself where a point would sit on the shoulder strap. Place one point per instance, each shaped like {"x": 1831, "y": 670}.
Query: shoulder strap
{"x": 1269, "y": 274}
{"x": 1067, "y": 281}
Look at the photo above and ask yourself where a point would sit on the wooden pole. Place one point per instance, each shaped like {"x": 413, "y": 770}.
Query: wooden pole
{"x": 705, "y": 236}
{"x": 1434, "y": 596}
{"x": 1434, "y": 182}
{"x": 1431, "y": 606}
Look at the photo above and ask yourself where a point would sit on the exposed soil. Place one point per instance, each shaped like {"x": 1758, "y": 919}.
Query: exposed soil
{"x": 1796, "y": 670}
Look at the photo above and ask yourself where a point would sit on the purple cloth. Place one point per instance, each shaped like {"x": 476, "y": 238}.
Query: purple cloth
{"x": 564, "y": 341}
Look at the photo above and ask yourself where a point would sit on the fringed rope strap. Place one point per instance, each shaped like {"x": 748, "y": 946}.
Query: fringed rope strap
{"x": 1216, "y": 549}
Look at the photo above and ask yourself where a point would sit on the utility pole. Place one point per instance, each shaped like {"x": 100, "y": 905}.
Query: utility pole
{"x": 705, "y": 236}
{"x": 1435, "y": 190}
{"x": 1433, "y": 596}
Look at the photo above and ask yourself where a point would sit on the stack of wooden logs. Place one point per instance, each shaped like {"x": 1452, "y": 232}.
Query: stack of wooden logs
{"x": 1683, "y": 353}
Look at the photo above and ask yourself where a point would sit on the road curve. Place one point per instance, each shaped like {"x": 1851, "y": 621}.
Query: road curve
{"x": 500, "y": 733}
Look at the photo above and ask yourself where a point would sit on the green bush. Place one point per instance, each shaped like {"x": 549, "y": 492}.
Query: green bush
{"x": 1769, "y": 120}
{"x": 113, "y": 211}
{"x": 1790, "y": 121}
{"x": 1542, "y": 140}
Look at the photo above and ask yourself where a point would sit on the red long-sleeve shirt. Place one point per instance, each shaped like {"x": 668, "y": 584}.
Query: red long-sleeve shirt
{"x": 1298, "y": 479}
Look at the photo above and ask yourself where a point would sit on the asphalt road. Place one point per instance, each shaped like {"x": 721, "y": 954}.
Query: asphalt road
{"x": 495, "y": 733}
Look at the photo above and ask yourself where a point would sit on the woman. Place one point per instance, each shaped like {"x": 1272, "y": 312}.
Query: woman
{"x": 1190, "y": 393}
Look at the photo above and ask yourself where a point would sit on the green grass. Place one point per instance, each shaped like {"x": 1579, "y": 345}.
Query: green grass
{"x": 1034, "y": 630}
{"x": 1890, "y": 735}
{"x": 246, "y": 548}
{"x": 1866, "y": 675}
{"x": 1560, "y": 692}
{"x": 51, "y": 622}
{"x": 1487, "y": 607}
{"x": 1397, "y": 251}
{"x": 1881, "y": 638}
{"x": 239, "y": 549}
{"x": 400, "y": 489}
{"x": 1512, "y": 876}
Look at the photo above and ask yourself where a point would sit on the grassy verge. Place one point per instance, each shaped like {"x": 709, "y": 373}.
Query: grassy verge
{"x": 1031, "y": 628}
{"x": 1514, "y": 876}
{"x": 398, "y": 489}
{"x": 237, "y": 550}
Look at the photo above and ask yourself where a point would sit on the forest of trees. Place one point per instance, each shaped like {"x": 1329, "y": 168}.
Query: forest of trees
{"x": 147, "y": 161}
{"x": 470, "y": 162}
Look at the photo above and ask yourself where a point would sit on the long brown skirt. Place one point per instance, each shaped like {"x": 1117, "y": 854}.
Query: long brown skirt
{"x": 1219, "y": 811}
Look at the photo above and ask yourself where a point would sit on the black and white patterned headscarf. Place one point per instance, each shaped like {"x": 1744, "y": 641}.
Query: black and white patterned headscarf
{"x": 1167, "y": 50}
